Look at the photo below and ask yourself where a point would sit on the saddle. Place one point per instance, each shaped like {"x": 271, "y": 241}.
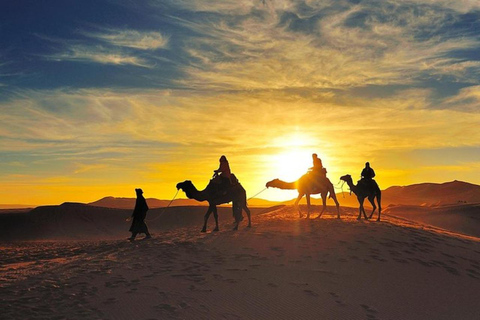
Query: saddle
{"x": 369, "y": 184}
{"x": 318, "y": 181}
{"x": 222, "y": 186}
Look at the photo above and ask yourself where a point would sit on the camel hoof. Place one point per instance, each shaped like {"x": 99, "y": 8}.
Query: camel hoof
{"x": 378, "y": 219}
{"x": 204, "y": 230}
{"x": 249, "y": 226}
{"x": 216, "y": 229}
{"x": 236, "y": 228}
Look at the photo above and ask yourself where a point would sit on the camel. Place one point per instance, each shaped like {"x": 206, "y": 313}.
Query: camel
{"x": 236, "y": 194}
{"x": 305, "y": 187}
{"x": 362, "y": 192}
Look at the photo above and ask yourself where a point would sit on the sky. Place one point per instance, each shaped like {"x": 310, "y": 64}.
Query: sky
{"x": 98, "y": 98}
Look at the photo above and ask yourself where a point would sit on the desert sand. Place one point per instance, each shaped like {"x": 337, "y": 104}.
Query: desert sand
{"x": 281, "y": 268}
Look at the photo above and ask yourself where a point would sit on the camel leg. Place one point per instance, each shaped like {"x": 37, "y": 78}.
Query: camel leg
{"x": 334, "y": 197}
{"x": 379, "y": 206}
{"x": 361, "y": 209}
{"x": 215, "y": 215}
{"x": 308, "y": 205}
{"x": 300, "y": 195}
{"x": 324, "y": 202}
{"x": 248, "y": 214}
{"x": 207, "y": 215}
{"x": 371, "y": 199}
{"x": 237, "y": 209}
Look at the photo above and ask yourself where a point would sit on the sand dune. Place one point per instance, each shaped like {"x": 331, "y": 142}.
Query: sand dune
{"x": 83, "y": 222}
{"x": 464, "y": 218}
{"x": 281, "y": 268}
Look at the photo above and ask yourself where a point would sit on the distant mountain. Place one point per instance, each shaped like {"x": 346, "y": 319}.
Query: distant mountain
{"x": 16, "y": 206}
{"x": 129, "y": 203}
{"x": 423, "y": 194}
{"x": 430, "y": 194}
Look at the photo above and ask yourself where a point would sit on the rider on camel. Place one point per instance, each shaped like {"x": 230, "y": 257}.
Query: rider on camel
{"x": 318, "y": 171}
{"x": 367, "y": 176}
{"x": 222, "y": 176}
{"x": 368, "y": 173}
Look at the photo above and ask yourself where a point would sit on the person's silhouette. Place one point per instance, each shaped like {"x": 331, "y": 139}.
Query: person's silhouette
{"x": 223, "y": 176}
{"x": 224, "y": 169}
{"x": 368, "y": 173}
{"x": 318, "y": 168}
{"x": 138, "y": 215}
{"x": 367, "y": 177}
{"x": 318, "y": 173}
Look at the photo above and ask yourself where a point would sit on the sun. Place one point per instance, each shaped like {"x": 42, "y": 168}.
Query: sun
{"x": 291, "y": 165}
{"x": 294, "y": 158}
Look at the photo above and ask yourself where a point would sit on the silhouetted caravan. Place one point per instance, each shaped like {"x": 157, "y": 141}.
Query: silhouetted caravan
{"x": 234, "y": 193}
{"x": 138, "y": 215}
{"x": 363, "y": 191}
{"x": 307, "y": 185}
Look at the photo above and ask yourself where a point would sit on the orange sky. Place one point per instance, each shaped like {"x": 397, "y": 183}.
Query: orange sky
{"x": 148, "y": 96}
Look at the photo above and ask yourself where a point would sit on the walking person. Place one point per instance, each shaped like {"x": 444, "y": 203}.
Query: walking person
{"x": 138, "y": 215}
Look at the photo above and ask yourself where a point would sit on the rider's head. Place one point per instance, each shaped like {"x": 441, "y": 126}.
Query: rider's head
{"x": 223, "y": 159}
{"x": 367, "y": 164}
{"x": 314, "y": 156}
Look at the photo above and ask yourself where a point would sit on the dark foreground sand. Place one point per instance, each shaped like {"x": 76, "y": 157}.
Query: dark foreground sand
{"x": 281, "y": 268}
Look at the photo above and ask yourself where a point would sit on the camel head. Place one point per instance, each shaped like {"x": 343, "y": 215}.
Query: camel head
{"x": 346, "y": 178}
{"x": 185, "y": 185}
{"x": 272, "y": 183}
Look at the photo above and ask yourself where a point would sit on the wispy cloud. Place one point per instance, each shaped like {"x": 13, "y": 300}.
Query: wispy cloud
{"x": 98, "y": 55}
{"x": 468, "y": 99}
{"x": 339, "y": 47}
{"x": 131, "y": 39}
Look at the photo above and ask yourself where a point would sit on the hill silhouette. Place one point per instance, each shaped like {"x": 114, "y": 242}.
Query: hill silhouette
{"x": 431, "y": 194}
{"x": 129, "y": 203}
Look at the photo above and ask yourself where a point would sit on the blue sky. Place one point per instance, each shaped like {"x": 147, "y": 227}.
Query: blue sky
{"x": 109, "y": 95}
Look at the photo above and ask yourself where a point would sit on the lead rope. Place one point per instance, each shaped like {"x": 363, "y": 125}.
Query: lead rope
{"x": 257, "y": 193}
{"x": 165, "y": 208}
{"x": 341, "y": 187}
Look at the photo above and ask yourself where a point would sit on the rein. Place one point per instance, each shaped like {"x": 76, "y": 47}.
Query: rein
{"x": 165, "y": 208}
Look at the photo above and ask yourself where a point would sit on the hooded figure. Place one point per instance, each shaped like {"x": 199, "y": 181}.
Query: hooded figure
{"x": 367, "y": 172}
{"x": 138, "y": 215}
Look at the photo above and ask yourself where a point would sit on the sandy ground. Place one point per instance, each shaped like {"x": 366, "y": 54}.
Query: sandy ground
{"x": 281, "y": 268}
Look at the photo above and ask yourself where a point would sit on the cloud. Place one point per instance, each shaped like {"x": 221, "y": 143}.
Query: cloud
{"x": 372, "y": 43}
{"x": 468, "y": 100}
{"x": 98, "y": 55}
{"x": 132, "y": 39}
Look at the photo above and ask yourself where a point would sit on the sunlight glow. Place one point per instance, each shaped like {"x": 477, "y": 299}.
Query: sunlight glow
{"x": 295, "y": 159}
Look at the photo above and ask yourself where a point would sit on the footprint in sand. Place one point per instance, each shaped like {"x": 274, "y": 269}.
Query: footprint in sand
{"x": 230, "y": 316}
{"x": 371, "y": 313}
{"x": 473, "y": 274}
{"x": 110, "y": 301}
{"x": 337, "y": 299}
{"x": 166, "y": 307}
{"x": 311, "y": 293}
